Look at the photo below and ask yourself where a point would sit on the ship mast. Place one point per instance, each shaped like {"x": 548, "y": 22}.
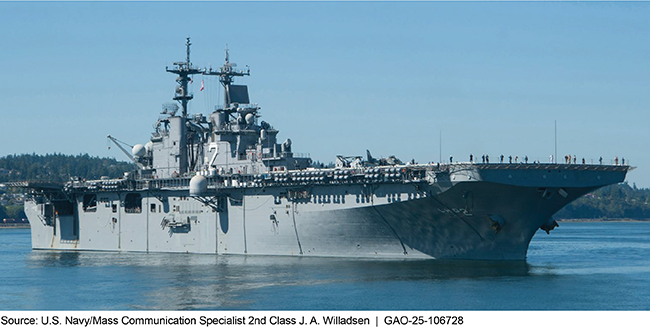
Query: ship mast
{"x": 184, "y": 70}
{"x": 186, "y": 143}
{"x": 226, "y": 74}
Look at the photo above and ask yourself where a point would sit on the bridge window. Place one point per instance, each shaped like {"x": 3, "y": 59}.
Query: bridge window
{"x": 90, "y": 202}
{"x": 133, "y": 203}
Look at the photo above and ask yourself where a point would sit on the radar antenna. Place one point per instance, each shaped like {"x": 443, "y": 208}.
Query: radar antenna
{"x": 226, "y": 74}
{"x": 184, "y": 71}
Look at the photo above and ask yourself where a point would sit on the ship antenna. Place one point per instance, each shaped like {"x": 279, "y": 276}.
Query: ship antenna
{"x": 226, "y": 74}
{"x": 184, "y": 70}
{"x": 188, "y": 44}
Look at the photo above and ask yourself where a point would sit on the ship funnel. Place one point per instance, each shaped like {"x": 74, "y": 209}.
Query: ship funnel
{"x": 198, "y": 185}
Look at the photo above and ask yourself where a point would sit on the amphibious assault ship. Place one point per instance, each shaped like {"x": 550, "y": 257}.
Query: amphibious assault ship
{"x": 224, "y": 184}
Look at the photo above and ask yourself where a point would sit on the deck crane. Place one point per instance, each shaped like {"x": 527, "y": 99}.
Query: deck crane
{"x": 117, "y": 142}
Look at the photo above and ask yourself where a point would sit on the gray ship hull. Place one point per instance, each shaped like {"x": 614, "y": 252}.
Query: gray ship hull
{"x": 468, "y": 212}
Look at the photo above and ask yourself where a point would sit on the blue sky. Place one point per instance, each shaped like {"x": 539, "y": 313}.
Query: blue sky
{"x": 340, "y": 77}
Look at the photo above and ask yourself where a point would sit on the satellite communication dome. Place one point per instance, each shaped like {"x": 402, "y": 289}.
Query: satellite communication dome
{"x": 198, "y": 185}
{"x": 250, "y": 117}
{"x": 138, "y": 150}
{"x": 148, "y": 147}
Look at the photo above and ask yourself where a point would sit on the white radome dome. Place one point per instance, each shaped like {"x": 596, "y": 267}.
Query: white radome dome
{"x": 138, "y": 150}
{"x": 250, "y": 118}
{"x": 148, "y": 147}
{"x": 198, "y": 185}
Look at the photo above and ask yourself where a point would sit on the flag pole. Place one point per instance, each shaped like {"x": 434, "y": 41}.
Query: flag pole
{"x": 555, "y": 140}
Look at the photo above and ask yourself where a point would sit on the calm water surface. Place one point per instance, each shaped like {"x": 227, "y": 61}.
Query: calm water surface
{"x": 580, "y": 266}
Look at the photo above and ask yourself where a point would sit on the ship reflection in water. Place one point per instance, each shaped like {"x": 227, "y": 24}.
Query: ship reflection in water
{"x": 586, "y": 266}
{"x": 190, "y": 281}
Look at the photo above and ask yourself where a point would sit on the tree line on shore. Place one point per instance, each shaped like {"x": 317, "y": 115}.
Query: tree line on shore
{"x": 51, "y": 168}
{"x": 59, "y": 167}
{"x": 614, "y": 201}
{"x": 620, "y": 201}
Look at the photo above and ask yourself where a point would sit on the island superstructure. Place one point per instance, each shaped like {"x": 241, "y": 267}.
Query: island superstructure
{"x": 224, "y": 184}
